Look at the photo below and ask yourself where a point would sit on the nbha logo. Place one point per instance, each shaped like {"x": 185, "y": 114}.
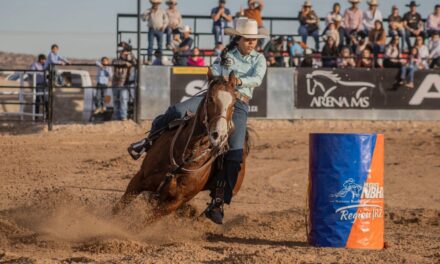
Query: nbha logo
{"x": 372, "y": 191}
{"x": 425, "y": 90}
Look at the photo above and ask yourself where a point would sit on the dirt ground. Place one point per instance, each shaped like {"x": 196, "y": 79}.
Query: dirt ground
{"x": 57, "y": 189}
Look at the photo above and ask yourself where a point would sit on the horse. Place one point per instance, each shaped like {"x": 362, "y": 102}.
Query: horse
{"x": 199, "y": 142}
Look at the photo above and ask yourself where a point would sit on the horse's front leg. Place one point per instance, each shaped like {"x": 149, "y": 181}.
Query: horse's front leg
{"x": 134, "y": 188}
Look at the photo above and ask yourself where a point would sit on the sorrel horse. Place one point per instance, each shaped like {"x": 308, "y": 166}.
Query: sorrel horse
{"x": 181, "y": 161}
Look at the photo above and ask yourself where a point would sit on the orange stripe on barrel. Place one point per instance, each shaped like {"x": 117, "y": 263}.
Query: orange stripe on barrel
{"x": 368, "y": 229}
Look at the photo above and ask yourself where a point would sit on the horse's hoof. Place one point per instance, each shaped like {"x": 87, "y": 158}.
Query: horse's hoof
{"x": 215, "y": 215}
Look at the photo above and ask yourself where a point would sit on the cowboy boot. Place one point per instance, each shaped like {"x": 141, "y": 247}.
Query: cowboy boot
{"x": 137, "y": 149}
{"x": 215, "y": 212}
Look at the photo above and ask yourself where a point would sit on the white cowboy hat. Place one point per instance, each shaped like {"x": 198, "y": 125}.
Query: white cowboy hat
{"x": 156, "y": 1}
{"x": 354, "y": 1}
{"x": 307, "y": 3}
{"x": 185, "y": 28}
{"x": 247, "y": 28}
{"x": 373, "y": 3}
{"x": 338, "y": 18}
{"x": 169, "y": 2}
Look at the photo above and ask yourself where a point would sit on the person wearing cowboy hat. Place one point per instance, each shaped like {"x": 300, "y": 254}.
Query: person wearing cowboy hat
{"x": 370, "y": 16}
{"x": 309, "y": 24}
{"x": 157, "y": 20}
{"x": 255, "y": 7}
{"x": 352, "y": 20}
{"x": 220, "y": 16}
{"x": 183, "y": 51}
{"x": 174, "y": 21}
{"x": 413, "y": 23}
{"x": 249, "y": 67}
{"x": 395, "y": 25}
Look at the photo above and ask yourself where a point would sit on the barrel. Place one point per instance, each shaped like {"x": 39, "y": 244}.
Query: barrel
{"x": 345, "y": 194}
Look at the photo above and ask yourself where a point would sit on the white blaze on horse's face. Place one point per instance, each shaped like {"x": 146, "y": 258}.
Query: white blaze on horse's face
{"x": 219, "y": 131}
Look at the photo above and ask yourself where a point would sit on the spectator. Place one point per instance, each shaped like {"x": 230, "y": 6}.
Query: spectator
{"x": 410, "y": 67}
{"x": 333, "y": 33}
{"x": 157, "y": 19}
{"x": 271, "y": 60}
{"x": 218, "y": 49}
{"x": 392, "y": 54}
{"x": 220, "y": 16}
{"x": 370, "y": 17}
{"x": 377, "y": 38}
{"x": 308, "y": 58}
{"x": 254, "y": 12}
{"x": 396, "y": 26}
{"x": 365, "y": 60}
{"x": 275, "y": 47}
{"x": 196, "y": 60}
{"x": 309, "y": 24}
{"x": 346, "y": 59}
{"x": 413, "y": 24}
{"x": 434, "y": 51}
{"x": 336, "y": 11}
{"x": 341, "y": 30}
{"x": 174, "y": 22}
{"x": 422, "y": 51}
{"x": 121, "y": 83}
{"x": 360, "y": 45}
{"x": 352, "y": 21}
{"x": 329, "y": 53}
{"x": 54, "y": 57}
{"x": 183, "y": 51}
{"x": 433, "y": 22}
{"x": 103, "y": 78}
{"x": 296, "y": 52}
{"x": 40, "y": 85}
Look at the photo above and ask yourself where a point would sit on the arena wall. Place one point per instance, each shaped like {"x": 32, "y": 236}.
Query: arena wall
{"x": 314, "y": 93}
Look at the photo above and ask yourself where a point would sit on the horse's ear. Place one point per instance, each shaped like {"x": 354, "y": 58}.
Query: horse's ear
{"x": 210, "y": 75}
{"x": 232, "y": 79}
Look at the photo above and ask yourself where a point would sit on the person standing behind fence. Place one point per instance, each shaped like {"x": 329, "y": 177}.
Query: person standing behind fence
{"x": 254, "y": 12}
{"x": 309, "y": 24}
{"x": 103, "y": 77}
{"x": 157, "y": 20}
{"x": 174, "y": 22}
{"x": 220, "y": 16}
{"x": 40, "y": 84}
{"x": 433, "y": 22}
{"x": 55, "y": 58}
{"x": 183, "y": 51}
{"x": 121, "y": 83}
{"x": 352, "y": 21}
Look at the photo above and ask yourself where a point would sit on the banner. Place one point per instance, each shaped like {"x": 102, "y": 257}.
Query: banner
{"x": 188, "y": 81}
{"x": 365, "y": 89}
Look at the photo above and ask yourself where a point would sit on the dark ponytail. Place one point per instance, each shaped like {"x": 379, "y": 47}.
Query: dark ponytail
{"x": 232, "y": 45}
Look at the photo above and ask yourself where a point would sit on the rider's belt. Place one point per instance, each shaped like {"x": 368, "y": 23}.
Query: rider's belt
{"x": 242, "y": 97}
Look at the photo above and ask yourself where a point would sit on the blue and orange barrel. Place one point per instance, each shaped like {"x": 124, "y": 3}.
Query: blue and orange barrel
{"x": 345, "y": 196}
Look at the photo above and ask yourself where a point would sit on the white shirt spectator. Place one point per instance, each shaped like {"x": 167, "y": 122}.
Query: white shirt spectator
{"x": 435, "y": 49}
{"x": 369, "y": 18}
{"x": 433, "y": 22}
{"x": 331, "y": 18}
{"x": 157, "y": 19}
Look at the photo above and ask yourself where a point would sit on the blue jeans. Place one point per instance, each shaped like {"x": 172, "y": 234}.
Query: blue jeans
{"x": 219, "y": 35}
{"x": 408, "y": 68}
{"x": 431, "y": 32}
{"x": 304, "y": 33}
{"x": 401, "y": 33}
{"x": 120, "y": 102}
{"x": 239, "y": 118}
{"x": 154, "y": 34}
{"x": 408, "y": 36}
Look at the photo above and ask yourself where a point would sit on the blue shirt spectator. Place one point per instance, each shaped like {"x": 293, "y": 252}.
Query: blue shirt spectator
{"x": 54, "y": 57}
{"x": 105, "y": 71}
{"x": 220, "y": 16}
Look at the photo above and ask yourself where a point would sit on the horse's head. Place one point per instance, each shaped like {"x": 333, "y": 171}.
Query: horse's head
{"x": 219, "y": 102}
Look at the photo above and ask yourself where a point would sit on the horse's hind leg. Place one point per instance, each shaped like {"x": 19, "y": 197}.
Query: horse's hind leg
{"x": 132, "y": 191}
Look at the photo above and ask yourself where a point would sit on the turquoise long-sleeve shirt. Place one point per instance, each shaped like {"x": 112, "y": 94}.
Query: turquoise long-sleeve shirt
{"x": 250, "y": 69}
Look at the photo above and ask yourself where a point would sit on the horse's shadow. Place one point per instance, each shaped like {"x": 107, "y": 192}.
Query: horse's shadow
{"x": 211, "y": 237}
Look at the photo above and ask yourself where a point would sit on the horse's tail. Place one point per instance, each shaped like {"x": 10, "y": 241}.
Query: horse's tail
{"x": 250, "y": 138}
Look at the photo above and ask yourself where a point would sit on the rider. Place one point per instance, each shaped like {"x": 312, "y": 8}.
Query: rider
{"x": 249, "y": 67}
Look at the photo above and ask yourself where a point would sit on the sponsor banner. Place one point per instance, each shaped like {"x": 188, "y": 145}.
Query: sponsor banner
{"x": 346, "y": 195}
{"x": 365, "y": 89}
{"x": 188, "y": 81}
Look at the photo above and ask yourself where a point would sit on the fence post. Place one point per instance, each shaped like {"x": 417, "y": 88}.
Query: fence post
{"x": 137, "y": 112}
{"x": 51, "y": 97}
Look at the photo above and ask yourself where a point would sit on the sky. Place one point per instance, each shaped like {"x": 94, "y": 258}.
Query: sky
{"x": 87, "y": 28}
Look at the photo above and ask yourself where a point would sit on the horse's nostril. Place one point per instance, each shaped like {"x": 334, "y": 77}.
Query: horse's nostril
{"x": 214, "y": 135}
